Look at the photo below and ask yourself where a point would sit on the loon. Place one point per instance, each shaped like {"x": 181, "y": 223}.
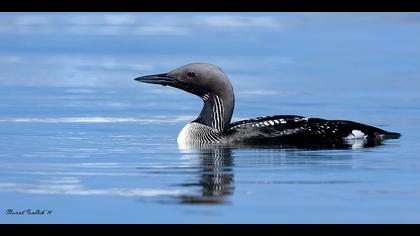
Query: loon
{"x": 213, "y": 125}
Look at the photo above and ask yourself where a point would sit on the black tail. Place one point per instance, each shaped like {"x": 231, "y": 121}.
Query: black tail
{"x": 390, "y": 135}
{"x": 374, "y": 133}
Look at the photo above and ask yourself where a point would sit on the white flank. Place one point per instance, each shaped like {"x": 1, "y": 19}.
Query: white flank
{"x": 356, "y": 134}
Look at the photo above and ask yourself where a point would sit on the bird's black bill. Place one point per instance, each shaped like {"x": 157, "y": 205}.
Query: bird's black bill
{"x": 162, "y": 79}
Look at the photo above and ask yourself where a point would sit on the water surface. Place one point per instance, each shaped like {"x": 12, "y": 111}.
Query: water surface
{"x": 80, "y": 138}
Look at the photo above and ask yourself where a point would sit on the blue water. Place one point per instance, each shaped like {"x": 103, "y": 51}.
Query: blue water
{"x": 81, "y": 139}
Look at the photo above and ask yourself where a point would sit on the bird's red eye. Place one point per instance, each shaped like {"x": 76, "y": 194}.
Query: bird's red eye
{"x": 191, "y": 74}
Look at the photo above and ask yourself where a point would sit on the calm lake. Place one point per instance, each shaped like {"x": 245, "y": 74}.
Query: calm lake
{"x": 82, "y": 142}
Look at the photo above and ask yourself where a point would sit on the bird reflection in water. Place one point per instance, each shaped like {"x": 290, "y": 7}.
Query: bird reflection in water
{"x": 216, "y": 180}
{"x": 216, "y": 174}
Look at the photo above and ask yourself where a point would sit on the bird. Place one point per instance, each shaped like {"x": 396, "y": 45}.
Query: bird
{"x": 214, "y": 123}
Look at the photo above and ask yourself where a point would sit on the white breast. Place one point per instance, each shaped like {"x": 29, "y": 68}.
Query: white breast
{"x": 185, "y": 135}
{"x": 198, "y": 133}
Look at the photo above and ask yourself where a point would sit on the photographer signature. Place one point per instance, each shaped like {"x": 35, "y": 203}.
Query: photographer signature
{"x": 29, "y": 212}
